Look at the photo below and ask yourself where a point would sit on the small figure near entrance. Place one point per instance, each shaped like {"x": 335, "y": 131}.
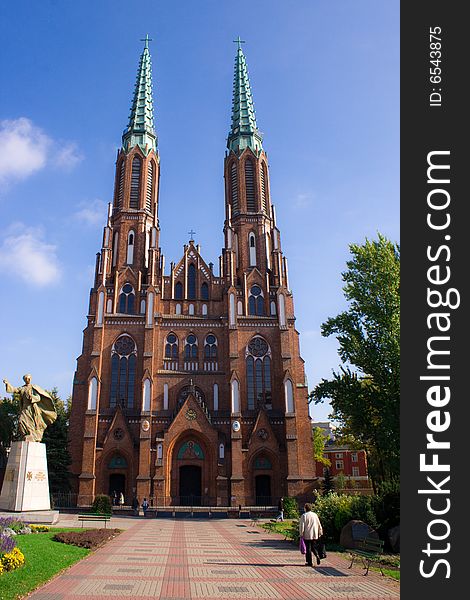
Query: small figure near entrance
{"x": 145, "y": 506}
{"x": 310, "y": 530}
{"x": 115, "y": 498}
{"x": 121, "y": 499}
{"x": 135, "y": 506}
{"x": 280, "y": 516}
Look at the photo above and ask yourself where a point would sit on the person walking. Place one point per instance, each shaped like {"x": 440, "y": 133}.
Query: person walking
{"x": 121, "y": 499}
{"x": 280, "y": 516}
{"x": 310, "y": 530}
{"x": 135, "y": 506}
{"x": 145, "y": 506}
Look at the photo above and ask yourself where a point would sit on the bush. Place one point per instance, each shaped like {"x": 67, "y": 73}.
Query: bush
{"x": 12, "y": 523}
{"x": 291, "y": 508}
{"x": 91, "y": 539}
{"x": 12, "y": 560}
{"x": 335, "y": 510}
{"x": 102, "y": 505}
{"x": 7, "y": 543}
{"x": 38, "y": 528}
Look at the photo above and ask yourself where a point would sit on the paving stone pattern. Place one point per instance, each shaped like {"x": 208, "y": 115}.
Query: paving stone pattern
{"x": 186, "y": 560}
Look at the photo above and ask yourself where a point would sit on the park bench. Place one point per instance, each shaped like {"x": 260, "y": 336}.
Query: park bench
{"x": 369, "y": 550}
{"x": 94, "y": 517}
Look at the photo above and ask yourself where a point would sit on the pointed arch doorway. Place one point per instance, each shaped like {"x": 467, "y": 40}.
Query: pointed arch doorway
{"x": 190, "y": 485}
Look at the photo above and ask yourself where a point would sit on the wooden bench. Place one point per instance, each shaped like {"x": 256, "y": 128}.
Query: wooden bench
{"x": 370, "y": 550}
{"x": 94, "y": 517}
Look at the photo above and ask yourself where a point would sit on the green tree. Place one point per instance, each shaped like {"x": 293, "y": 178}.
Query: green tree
{"x": 365, "y": 392}
{"x": 55, "y": 438}
{"x": 319, "y": 447}
{"x": 9, "y": 411}
{"x": 328, "y": 484}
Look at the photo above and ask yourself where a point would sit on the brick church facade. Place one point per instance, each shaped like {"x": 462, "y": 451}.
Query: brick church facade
{"x": 190, "y": 387}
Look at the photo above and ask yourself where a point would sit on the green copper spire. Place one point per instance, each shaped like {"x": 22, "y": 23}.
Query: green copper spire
{"x": 140, "y": 129}
{"x": 244, "y": 132}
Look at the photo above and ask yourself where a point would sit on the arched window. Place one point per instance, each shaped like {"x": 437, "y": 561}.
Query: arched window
{"x": 256, "y": 301}
{"x": 123, "y": 363}
{"x": 127, "y": 300}
{"x": 216, "y": 396}
{"x": 146, "y": 395}
{"x": 179, "y": 291}
{"x": 262, "y": 174}
{"x": 232, "y": 309}
{"x": 210, "y": 347}
{"x": 165, "y": 398}
{"x": 204, "y": 291}
{"x": 250, "y": 186}
{"x": 120, "y": 186}
{"x": 191, "y": 309}
{"x": 273, "y": 308}
{"x": 178, "y": 309}
{"x": 239, "y": 307}
{"x": 171, "y": 346}
{"x": 191, "y": 281}
{"x": 204, "y": 310}
{"x": 135, "y": 183}
{"x": 234, "y": 187}
{"x": 190, "y": 349}
{"x": 282, "y": 311}
{"x": 149, "y": 195}
{"x": 252, "y": 247}
{"x": 150, "y": 308}
{"x": 235, "y": 397}
{"x": 100, "y": 311}
{"x": 130, "y": 247}
{"x": 258, "y": 373}
{"x": 92, "y": 393}
{"x": 289, "y": 396}
{"x": 115, "y": 247}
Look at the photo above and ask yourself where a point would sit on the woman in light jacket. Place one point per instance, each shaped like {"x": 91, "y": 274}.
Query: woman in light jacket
{"x": 310, "y": 529}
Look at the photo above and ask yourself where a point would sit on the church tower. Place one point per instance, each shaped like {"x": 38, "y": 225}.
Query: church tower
{"x": 190, "y": 388}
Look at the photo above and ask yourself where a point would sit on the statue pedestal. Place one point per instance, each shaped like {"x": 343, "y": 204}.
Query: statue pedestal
{"x": 25, "y": 485}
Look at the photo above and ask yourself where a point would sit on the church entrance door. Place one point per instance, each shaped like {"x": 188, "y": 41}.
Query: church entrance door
{"x": 117, "y": 483}
{"x": 190, "y": 485}
{"x": 263, "y": 490}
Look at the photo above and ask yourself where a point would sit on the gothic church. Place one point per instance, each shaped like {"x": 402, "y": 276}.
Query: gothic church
{"x": 190, "y": 388}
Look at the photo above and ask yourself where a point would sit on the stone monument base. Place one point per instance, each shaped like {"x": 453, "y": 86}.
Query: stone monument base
{"x": 42, "y": 517}
{"x": 25, "y": 485}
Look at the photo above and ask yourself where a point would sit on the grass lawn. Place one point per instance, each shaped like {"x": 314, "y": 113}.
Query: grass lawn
{"x": 390, "y": 565}
{"x": 44, "y": 558}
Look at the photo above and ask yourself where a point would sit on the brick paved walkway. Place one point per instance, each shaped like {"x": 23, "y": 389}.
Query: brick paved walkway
{"x": 189, "y": 559}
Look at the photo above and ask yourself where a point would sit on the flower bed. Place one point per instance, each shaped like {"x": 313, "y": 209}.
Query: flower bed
{"x": 11, "y": 557}
{"x": 91, "y": 539}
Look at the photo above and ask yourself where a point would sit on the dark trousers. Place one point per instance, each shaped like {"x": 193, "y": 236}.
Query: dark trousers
{"x": 310, "y": 547}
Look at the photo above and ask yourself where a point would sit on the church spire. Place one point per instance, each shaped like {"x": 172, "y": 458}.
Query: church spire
{"x": 244, "y": 132}
{"x": 140, "y": 129}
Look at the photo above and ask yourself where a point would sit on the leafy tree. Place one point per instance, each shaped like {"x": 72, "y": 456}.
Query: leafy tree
{"x": 365, "y": 400}
{"x": 9, "y": 411}
{"x": 55, "y": 438}
{"x": 328, "y": 484}
{"x": 319, "y": 447}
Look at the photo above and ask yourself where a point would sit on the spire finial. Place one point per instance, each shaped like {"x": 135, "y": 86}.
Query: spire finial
{"x": 244, "y": 132}
{"x": 140, "y": 129}
{"x": 146, "y": 40}
{"x": 239, "y": 41}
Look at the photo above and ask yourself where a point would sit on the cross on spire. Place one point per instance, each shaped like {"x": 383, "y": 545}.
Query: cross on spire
{"x": 191, "y": 233}
{"x": 146, "y": 40}
{"x": 239, "y": 41}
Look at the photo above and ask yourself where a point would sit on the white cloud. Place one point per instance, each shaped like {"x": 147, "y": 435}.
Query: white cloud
{"x": 25, "y": 254}
{"x": 68, "y": 156}
{"x": 92, "y": 213}
{"x": 303, "y": 200}
{"x": 26, "y": 149}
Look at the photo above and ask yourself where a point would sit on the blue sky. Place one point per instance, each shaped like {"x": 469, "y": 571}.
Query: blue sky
{"x": 325, "y": 81}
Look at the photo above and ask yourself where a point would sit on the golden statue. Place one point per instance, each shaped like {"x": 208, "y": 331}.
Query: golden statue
{"x": 37, "y": 409}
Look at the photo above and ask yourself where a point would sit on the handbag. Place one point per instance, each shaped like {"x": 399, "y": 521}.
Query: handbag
{"x": 302, "y": 547}
{"x": 321, "y": 548}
